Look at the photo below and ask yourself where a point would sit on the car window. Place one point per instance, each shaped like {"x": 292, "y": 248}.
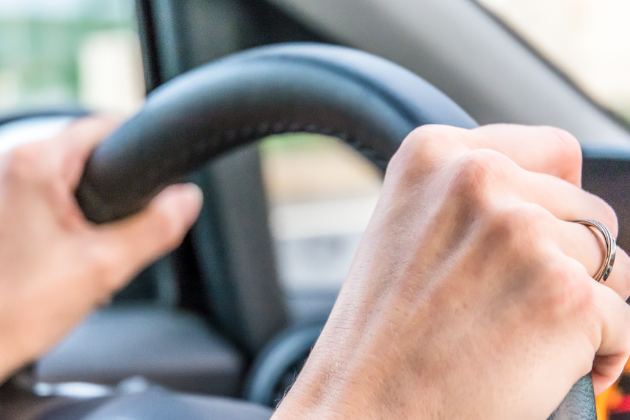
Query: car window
{"x": 69, "y": 55}
{"x": 588, "y": 40}
{"x": 57, "y": 54}
{"x": 321, "y": 195}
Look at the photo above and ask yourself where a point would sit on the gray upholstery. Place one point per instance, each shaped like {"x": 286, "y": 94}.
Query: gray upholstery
{"x": 158, "y": 404}
{"x": 167, "y": 347}
{"x": 155, "y": 404}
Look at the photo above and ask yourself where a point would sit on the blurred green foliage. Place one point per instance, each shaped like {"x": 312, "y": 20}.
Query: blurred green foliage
{"x": 38, "y": 50}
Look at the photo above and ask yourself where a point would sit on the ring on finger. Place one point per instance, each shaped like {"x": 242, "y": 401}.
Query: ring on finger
{"x": 611, "y": 248}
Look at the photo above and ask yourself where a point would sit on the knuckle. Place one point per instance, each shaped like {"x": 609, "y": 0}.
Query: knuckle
{"x": 519, "y": 229}
{"x": 478, "y": 176}
{"x": 569, "y": 276}
{"x": 482, "y": 164}
{"x": 566, "y": 293}
{"x": 21, "y": 161}
{"x": 28, "y": 163}
{"x": 422, "y": 149}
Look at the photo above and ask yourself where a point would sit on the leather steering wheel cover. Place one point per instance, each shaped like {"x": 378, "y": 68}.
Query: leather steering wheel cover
{"x": 370, "y": 103}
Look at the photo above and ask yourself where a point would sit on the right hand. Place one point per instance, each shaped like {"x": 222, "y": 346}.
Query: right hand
{"x": 471, "y": 295}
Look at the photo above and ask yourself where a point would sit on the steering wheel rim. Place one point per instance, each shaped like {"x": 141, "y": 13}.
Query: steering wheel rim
{"x": 368, "y": 102}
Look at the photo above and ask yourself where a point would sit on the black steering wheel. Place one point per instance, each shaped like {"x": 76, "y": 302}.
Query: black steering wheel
{"x": 366, "y": 101}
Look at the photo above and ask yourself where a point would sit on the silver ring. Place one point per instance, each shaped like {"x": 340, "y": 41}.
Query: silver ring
{"x": 611, "y": 248}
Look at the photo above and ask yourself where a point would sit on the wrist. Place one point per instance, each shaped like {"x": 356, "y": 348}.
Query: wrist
{"x": 323, "y": 390}
{"x": 307, "y": 401}
{"x": 343, "y": 380}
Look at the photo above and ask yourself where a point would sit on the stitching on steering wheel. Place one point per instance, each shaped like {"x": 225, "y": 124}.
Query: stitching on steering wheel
{"x": 233, "y": 138}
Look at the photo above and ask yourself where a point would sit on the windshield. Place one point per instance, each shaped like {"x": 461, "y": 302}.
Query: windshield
{"x": 57, "y": 54}
{"x": 588, "y": 40}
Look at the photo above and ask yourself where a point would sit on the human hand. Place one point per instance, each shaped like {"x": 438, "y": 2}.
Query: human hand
{"x": 56, "y": 267}
{"x": 471, "y": 293}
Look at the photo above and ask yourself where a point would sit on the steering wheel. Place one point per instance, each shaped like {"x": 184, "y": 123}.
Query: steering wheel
{"x": 366, "y": 101}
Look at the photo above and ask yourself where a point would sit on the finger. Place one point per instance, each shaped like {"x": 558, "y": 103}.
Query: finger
{"x": 76, "y": 142}
{"x": 140, "y": 239}
{"x": 619, "y": 279}
{"x": 588, "y": 247}
{"x": 564, "y": 200}
{"x": 546, "y": 150}
{"x": 566, "y": 203}
{"x": 614, "y": 344}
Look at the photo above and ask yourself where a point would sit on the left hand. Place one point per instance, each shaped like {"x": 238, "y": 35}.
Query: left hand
{"x": 55, "y": 266}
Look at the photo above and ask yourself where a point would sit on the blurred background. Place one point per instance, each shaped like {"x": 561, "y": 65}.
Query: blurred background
{"x": 85, "y": 53}
{"x": 196, "y": 319}
{"x": 588, "y": 40}
{"x": 63, "y": 53}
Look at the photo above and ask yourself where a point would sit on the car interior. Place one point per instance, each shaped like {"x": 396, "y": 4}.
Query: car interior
{"x": 220, "y": 328}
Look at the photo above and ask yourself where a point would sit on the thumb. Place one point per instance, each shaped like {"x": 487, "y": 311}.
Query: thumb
{"x": 136, "y": 241}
